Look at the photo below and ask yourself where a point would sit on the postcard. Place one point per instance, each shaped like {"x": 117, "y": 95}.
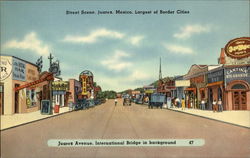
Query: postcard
{"x": 118, "y": 79}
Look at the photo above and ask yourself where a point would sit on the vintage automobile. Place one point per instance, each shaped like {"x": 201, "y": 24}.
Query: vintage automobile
{"x": 157, "y": 100}
{"x": 126, "y": 101}
{"x": 83, "y": 104}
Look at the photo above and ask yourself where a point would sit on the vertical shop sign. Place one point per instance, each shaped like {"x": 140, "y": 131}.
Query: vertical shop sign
{"x": 19, "y": 70}
{"x": 84, "y": 86}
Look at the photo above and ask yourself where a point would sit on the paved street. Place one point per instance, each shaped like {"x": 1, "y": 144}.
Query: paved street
{"x": 130, "y": 122}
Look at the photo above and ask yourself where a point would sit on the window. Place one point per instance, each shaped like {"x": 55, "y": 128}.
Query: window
{"x": 202, "y": 92}
{"x": 238, "y": 86}
{"x": 30, "y": 97}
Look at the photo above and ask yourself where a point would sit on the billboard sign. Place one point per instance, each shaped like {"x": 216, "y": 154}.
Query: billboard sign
{"x": 238, "y": 48}
{"x": 19, "y": 70}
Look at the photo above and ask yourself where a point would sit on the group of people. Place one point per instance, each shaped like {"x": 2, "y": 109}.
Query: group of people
{"x": 217, "y": 106}
{"x": 175, "y": 102}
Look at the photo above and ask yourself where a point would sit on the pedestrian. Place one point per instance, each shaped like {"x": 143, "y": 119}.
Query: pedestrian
{"x": 177, "y": 100}
{"x": 191, "y": 103}
{"x": 214, "y": 106}
{"x": 220, "y": 108}
{"x": 183, "y": 104}
{"x": 202, "y": 104}
{"x": 115, "y": 101}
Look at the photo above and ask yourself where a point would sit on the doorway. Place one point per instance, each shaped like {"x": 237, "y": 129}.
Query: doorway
{"x": 16, "y": 110}
{"x": 239, "y": 100}
{"x": 1, "y": 99}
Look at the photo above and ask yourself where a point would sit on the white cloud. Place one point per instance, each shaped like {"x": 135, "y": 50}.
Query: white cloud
{"x": 30, "y": 42}
{"x": 135, "y": 40}
{"x": 178, "y": 49}
{"x": 119, "y": 83}
{"x": 139, "y": 75}
{"x": 189, "y": 30}
{"x": 94, "y": 36}
{"x": 115, "y": 62}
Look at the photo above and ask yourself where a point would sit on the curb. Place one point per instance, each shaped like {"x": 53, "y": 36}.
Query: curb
{"x": 35, "y": 120}
{"x": 210, "y": 118}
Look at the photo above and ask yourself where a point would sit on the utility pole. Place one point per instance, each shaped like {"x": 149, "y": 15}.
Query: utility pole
{"x": 50, "y": 61}
{"x": 50, "y": 83}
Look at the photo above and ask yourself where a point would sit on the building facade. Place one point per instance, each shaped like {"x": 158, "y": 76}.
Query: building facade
{"x": 235, "y": 57}
{"x": 60, "y": 93}
{"x": 75, "y": 89}
{"x": 16, "y": 72}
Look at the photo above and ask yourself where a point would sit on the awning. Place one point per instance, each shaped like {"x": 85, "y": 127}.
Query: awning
{"x": 190, "y": 89}
{"x": 215, "y": 84}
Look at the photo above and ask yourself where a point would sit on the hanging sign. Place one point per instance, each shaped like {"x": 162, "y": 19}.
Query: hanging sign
{"x": 182, "y": 83}
{"x": 60, "y": 86}
{"x": 238, "y": 48}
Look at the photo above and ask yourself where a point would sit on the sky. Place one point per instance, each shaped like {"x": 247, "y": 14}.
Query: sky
{"x": 121, "y": 50}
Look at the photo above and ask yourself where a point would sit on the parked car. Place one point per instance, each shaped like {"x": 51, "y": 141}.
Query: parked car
{"x": 157, "y": 100}
{"x": 80, "y": 104}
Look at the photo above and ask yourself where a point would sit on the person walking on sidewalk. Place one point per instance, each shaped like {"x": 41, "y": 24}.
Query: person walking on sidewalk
{"x": 214, "y": 106}
{"x": 178, "y": 102}
{"x": 183, "y": 104}
{"x": 115, "y": 101}
{"x": 202, "y": 104}
{"x": 220, "y": 108}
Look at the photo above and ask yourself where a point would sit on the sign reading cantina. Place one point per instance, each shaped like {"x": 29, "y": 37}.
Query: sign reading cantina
{"x": 238, "y": 48}
{"x": 238, "y": 73}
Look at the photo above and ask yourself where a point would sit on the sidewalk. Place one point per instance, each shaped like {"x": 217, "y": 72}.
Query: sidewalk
{"x": 8, "y": 121}
{"x": 240, "y": 118}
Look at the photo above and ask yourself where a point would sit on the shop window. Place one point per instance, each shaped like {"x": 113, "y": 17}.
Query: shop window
{"x": 30, "y": 97}
{"x": 202, "y": 94}
{"x": 238, "y": 86}
{"x": 33, "y": 97}
{"x": 219, "y": 93}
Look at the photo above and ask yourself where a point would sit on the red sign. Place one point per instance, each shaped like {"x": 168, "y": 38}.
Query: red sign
{"x": 48, "y": 77}
{"x": 238, "y": 48}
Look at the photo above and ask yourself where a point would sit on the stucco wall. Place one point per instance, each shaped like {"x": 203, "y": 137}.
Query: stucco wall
{"x": 8, "y": 101}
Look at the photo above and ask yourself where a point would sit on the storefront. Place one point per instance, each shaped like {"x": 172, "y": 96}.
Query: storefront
{"x": 200, "y": 83}
{"x": 237, "y": 79}
{"x": 60, "y": 95}
{"x": 75, "y": 89}
{"x": 236, "y": 59}
{"x": 215, "y": 87}
{"x": 197, "y": 89}
{"x": 181, "y": 85}
{"x": 16, "y": 73}
{"x": 166, "y": 86}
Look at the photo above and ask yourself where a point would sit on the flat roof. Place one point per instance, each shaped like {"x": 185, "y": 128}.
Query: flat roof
{"x": 20, "y": 59}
